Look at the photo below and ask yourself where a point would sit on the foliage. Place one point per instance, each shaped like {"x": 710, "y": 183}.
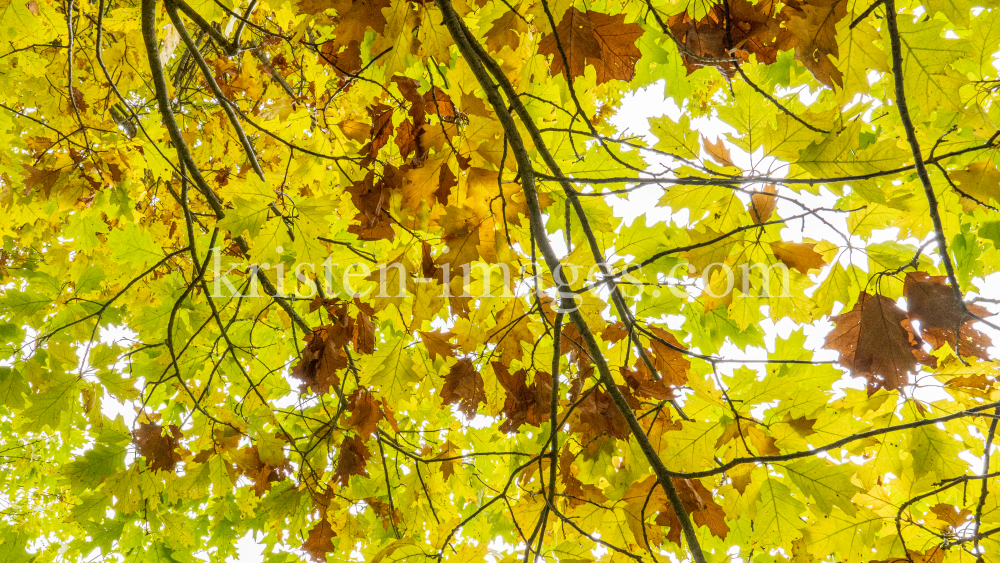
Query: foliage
{"x": 163, "y": 397}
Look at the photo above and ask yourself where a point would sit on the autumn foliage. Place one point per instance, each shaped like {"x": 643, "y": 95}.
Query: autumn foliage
{"x": 490, "y": 280}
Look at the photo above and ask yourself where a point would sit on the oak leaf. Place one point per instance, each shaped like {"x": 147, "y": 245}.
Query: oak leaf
{"x": 438, "y": 344}
{"x": 801, "y": 256}
{"x": 322, "y": 357}
{"x": 735, "y": 29}
{"x": 979, "y": 181}
{"x": 463, "y": 386}
{"x": 669, "y": 357}
{"x": 717, "y": 151}
{"x": 932, "y": 303}
{"x": 697, "y": 501}
{"x": 599, "y": 417}
{"x": 875, "y": 341}
{"x": 365, "y": 413}
{"x": 357, "y": 16}
{"x": 159, "y": 448}
{"x": 810, "y": 27}
{"x": 354, "y": 456}
{"x": 601, "y": 40}
{"x": 319, "y": 542}
{"x": 524, "y": 403}
{"x": 506, "y": 31}
{"x": 762, "y": 204}
{"x": 262, "y": 473}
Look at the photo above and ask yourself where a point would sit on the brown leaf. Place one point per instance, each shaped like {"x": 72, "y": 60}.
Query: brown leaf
{"x": 697, "y": 501}
{"x": 345, "y": 60}
{"x": 363, "y": 334}
{"x": 644, "y": 386}
{"x": 524, "y": 403}
{"x": 40, "y": 180}
{"x": 811, "y": 29}
{"x": 875, "y": 341}
{"x": 762, "y": 205}
{"x": 322, "y": 357}
{"x": 438, "y": 345}
{"x": 365, "y": 413}
{"x": 436, "y": 102}
{"x": 599, "y": 417}
{"x": 260, "y": 472}
{"x": 381, "y": 130}
{"x": 353, "y": 458}
{"x": 463, "y": 386}
{"x": 932, "y": 302}
{"x": 371, "y": 198}
{"x": 601, "y": 40}
{"x": 356, "y": 17}
{"x": 319, "y": 542}
{"x": 738, "y": 25}
{"x": 717, "y": 151}
{"x": 978, "y": 381}
{"x": 81, "y": 104}
{"x": 798, "y": 255}
{"x": 953, "y": 516}
{"x": 159, "y": 449}
{"x": 447, "y": 182}
{"x": 615, "y": 332}
{"x": 668, "y": 359}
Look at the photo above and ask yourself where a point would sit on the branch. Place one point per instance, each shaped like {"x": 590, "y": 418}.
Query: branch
{"x": 986, "y": 471}
{"x": 836, "y": 444}
{"x": 911, "y": 137}
{"x": 454, "y": 24}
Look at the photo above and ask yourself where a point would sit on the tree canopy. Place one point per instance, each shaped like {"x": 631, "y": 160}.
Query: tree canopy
{"x": 393, "y": 280}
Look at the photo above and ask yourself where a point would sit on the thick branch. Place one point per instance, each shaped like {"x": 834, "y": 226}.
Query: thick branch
{"x": 911, "y": 138}
{"x": 454, "y": 25}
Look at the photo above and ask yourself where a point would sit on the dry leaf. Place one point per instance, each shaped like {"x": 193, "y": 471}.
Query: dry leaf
{"x": 798, "y": 255}
{"x": 606, "y": 42}
{"x": 875, "y": 341}
{"x": 762, "y": 204}
{"x": 718, "y": 151}
{"x": 932, "y": 302}
{"x": 463, "y": 386}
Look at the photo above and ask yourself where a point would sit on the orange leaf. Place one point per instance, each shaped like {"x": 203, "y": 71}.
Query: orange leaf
{"x": 718, "y": 151}
{"x": 762, "y": 204}
{"x": 798, "y": 255}
{"x": 438, "y": 344}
